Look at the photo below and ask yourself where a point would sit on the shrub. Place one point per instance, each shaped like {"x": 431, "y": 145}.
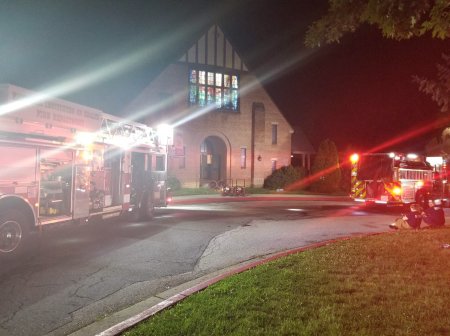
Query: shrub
{"x": 173, "y": 183}
{"x": 283, "y": 177}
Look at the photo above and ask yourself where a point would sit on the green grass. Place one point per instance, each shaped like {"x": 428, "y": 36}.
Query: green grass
{"x": 390, "y": 284}
{"x": 249, "y": 191}
{"x": 194, "y": 191}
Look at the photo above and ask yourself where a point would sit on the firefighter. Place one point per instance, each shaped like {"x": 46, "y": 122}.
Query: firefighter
{"x": 434, "y": 216}
{"x": 411, "y": 220}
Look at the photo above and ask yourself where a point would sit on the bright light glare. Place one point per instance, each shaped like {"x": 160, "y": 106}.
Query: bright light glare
{"x": 419, "y": 184}
{"x": 87, "y": 155}
{"x": 165, "y": 134}
{"x": 85, "y": 138}
{"x": 412, "y": 156}
{"x": 354, "y": 158}
{"x": 107, "y": 70}
{"x": 435, "y": 160}
{"x": 397, "y": 191}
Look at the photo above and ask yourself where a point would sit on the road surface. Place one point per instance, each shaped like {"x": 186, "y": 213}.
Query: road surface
{"x": 78, "y": 275}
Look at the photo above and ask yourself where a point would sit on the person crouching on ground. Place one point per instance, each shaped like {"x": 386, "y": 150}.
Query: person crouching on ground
{"x": 410, "y": 220}
{"x": 434, "y": 216}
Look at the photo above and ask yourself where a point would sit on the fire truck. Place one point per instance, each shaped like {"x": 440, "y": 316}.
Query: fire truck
{"x": 64, "y": 162}
{"x": 396, "y": 179}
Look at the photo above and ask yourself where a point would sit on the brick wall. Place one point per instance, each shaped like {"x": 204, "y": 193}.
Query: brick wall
{"x": 165, "y": 100}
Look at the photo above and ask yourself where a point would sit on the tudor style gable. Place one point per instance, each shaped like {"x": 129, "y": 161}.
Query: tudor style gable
{"x": 214, "y": 49}
{"x": 226, "y": 126}
{"x": 215, "y": 70}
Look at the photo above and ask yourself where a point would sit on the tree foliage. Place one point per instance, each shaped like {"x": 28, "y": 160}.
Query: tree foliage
{"x": 326, "y": 168}
{"x": 438, "y": 89}
{"x": 283, "y": 177}
{"x": 397, "y": 19}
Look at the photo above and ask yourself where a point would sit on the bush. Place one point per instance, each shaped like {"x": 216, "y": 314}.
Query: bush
{"x": 283, "y": 177}
{"x": 173, "y": 183}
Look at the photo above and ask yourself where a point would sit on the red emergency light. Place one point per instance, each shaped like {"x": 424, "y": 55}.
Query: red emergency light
{"x": 354, "y": 158}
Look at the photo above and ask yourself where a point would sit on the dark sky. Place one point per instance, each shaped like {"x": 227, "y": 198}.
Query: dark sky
{"x": 358, "y": 93}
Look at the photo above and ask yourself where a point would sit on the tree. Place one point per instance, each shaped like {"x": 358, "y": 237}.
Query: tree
{"x": 438, "y": 89}
{"x": 326, "y": 168}
{"x": 397, "y": 19}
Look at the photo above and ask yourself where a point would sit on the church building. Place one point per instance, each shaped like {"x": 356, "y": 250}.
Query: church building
{"x": 226, "y": 128}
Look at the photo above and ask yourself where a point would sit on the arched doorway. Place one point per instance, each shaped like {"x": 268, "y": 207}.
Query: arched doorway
{"x": 213, "y": 161}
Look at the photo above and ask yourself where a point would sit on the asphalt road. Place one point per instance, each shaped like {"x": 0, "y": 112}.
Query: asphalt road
{"x": 78, "y": 275}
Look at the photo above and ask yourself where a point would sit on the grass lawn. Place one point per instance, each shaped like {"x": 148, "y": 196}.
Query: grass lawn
{"x": 389, "y": 284}
{"x": 249, "y": 191}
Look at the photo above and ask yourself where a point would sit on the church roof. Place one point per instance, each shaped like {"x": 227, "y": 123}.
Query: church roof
{"x": 214, "y": 49}
{"x": 300, "y": 143}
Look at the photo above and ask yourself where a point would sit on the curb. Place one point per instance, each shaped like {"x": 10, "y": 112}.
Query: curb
{"x": 174, "y": 299}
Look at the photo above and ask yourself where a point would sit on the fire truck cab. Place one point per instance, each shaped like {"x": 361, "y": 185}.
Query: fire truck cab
{"x": 64, "y": 162}
{"x": 395, "y": 179}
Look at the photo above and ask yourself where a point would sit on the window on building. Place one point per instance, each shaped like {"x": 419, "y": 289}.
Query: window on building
{"x": 274, "y": 134}
{"x": 214, "y": 88}
{"x": 160, "y": 164}
{"x": 243, "y": 158}
{"x": 274, "y": 165}
{"x": 182, "y": 159}
{"x": 182, "y": 162}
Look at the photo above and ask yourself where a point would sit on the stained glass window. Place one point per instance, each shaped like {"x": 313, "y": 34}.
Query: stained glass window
{"x": 210, "y": 78}
{"x": 234, "y": 100}
{"x": 226, "y": 98}
{"x": 201, "y": 77}
{"x": 218, "y": 79}
{"x": 193, "y": 94}
{"x": 201, "y": 95}
{"x": 234, "y": 82}
{"x": 193, "y": 77}
{"x": 226, "y": 80}
{"x": 210, "y": 96}
{"x": 208, "y": 87}
{"x": 218, "y": 97}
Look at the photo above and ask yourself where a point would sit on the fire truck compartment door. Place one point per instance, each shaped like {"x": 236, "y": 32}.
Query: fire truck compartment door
{"x": 81, "y": 192}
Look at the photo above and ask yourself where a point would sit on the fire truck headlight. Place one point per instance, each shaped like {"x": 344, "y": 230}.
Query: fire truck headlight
{"x": 354, "y": 158}
{"x": 397, "y": 191}
{"x": 419, "y": 184}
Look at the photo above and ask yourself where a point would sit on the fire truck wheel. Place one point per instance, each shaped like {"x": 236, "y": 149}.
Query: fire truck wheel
{"x": 13, "y": 233}
{"x": 146, "y": 209}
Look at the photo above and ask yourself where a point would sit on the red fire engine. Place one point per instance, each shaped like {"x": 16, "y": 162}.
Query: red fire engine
{"x": 396, "y": 179}
{"x": 61, "y": 162}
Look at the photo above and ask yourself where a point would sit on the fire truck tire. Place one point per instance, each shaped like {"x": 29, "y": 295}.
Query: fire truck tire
{"x": 146, "y": 208}
{"x": 14, "y": 231}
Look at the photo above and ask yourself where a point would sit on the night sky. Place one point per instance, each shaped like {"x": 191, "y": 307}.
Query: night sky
{"x": 358, "y": 93}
